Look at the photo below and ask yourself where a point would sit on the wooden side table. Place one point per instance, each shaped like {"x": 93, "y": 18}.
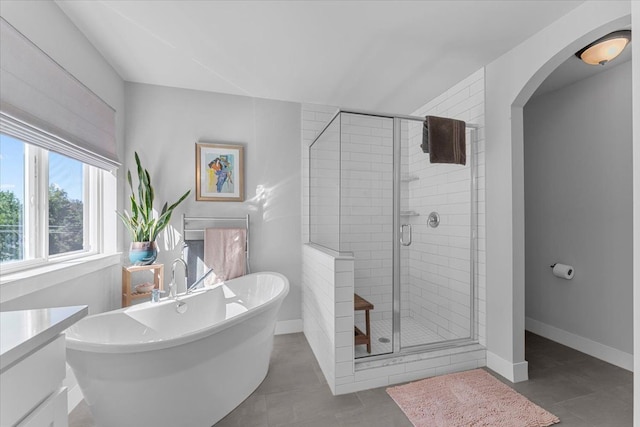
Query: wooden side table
{"x": 360, "y": 303}
{"x": 128, "y": 292}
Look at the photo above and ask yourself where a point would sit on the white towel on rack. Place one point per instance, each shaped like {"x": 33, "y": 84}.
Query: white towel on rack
{"x": 224, "y": 251}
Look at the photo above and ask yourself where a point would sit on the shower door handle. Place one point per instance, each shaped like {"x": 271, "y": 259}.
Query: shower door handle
{"x": 402, "y": 241}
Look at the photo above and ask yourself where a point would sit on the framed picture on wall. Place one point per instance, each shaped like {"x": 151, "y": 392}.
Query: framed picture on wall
{"x": 219, "y": 172}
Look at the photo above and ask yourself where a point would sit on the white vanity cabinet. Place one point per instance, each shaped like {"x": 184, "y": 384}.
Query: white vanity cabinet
{"x": 33, "y": 366}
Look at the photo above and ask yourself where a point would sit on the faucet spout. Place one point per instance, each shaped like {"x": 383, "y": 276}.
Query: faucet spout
{"x": 172, "y": 286}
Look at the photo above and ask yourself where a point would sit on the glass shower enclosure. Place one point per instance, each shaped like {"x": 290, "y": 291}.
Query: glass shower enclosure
{"x": 411, "y": 227}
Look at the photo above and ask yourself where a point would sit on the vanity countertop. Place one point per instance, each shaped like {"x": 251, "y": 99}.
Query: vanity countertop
{"x": 23, "y": 331}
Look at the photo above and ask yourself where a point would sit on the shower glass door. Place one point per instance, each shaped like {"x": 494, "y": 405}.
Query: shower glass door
{"x": 435, "y": 222}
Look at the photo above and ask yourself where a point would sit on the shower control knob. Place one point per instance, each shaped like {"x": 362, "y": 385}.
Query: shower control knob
{"x": 433, "y": 220}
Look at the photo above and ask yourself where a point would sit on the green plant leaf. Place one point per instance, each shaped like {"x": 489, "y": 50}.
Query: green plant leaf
{"x": 141, "y": 190}
{"x": 141, "y": 224}
{"x": 129, "y": 181}
{"x": 134, "y": 207}
{"x": 127, "y": 223}
{"x": 163, "y": 221}
{"x": 173, "y": 206}
{"x": 149, "y": 186}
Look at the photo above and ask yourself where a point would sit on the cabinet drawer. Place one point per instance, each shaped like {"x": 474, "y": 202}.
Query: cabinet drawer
{"x": 51, "y": 413}
{"x": 32, "y": 380}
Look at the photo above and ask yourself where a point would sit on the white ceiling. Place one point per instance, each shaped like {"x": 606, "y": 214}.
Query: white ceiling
{"x": 376, "y": 55}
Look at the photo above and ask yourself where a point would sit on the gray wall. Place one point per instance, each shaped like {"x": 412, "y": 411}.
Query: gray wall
{"x": 163, "y": 124}
{"x": 578, "y": 204}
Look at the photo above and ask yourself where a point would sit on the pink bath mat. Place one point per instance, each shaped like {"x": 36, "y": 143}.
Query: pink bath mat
{"x": 468, "y": 399}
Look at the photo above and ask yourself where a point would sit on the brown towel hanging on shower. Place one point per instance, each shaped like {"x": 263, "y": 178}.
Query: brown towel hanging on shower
{"x": 444, "y": 140}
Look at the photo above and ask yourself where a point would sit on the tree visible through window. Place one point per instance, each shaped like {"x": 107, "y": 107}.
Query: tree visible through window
{"x": 65, "y": 222}
{"x": 11, "y": 229}
{"x": 12, "y": 195}
{"x": 65, "y": 204}
{"x": 22, "y": 229}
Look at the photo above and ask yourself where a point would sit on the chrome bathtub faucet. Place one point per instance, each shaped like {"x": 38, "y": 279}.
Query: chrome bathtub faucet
{"x": 181, "y": 306}
{"x": 173, "y": 291}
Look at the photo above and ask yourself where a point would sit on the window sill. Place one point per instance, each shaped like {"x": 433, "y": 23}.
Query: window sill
{"x": 20, "y": 283}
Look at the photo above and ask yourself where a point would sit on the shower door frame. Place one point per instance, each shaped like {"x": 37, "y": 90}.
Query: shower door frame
{"x": 397, "y": 232}
{"x": 397, "y": 350}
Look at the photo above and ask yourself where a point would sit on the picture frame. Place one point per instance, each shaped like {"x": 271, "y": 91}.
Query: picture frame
{"x": 219, "y": 172}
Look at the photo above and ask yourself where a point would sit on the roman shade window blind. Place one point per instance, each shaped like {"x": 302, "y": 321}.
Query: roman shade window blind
{"x": 43, "y": 104}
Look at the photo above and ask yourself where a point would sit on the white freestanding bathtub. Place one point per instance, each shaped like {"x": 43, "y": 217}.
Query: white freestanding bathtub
{"x": 149, "y": 365}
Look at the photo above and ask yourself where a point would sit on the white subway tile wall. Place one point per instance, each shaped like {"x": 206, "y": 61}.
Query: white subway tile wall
{"x": 367, "y": 209}
{"x": 318, "y": 308}
{"x": 324, "y": 220}
{"x": 439, "y": 259}
{"x": 411, "y": 367}
{"x": 314, "y": 119}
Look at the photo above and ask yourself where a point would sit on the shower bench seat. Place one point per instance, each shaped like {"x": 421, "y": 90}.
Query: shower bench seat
{"x": 360, "y": 304}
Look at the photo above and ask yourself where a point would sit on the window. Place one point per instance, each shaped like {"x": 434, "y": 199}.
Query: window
{"x": 48, "y": 205}
{"x": 12, "y": 196}
{"x": 66, "y": 205}
{"x": 57, "y": 151}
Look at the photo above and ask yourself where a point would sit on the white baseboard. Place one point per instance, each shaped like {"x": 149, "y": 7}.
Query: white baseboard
{"x": 514, "y": 372}
{"x": 592, "y": 348}
{"x": 288, "y": 326}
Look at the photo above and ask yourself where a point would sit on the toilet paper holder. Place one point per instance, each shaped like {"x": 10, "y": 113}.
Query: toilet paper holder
{"x": 564, "y": 271}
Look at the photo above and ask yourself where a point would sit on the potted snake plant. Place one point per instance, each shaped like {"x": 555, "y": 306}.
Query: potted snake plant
{"x": 141, "y": 223}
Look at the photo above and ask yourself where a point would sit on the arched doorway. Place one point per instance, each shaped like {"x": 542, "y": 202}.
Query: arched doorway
{"x": 510, "y": 82}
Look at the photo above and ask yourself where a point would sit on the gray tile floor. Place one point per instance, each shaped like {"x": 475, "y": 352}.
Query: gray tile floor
{"x": 580, "y": 390}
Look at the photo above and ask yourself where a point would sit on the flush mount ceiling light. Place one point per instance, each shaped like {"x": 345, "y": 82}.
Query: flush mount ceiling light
{"x": 605, "y": 48}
